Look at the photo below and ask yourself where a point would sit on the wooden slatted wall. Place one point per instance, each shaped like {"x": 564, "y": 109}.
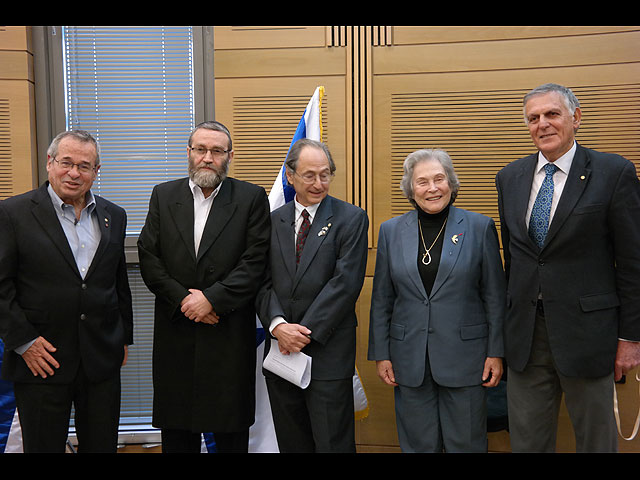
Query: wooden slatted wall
{"x": 483, "y": 131}
{"x": 17, "y": 112}
{"x": 262, "y": 131}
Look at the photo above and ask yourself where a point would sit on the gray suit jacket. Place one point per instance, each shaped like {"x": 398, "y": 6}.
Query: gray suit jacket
{"x": 460, "y": 323}
{"x": 322, "y": 291}
{"x": 588, "y": 270}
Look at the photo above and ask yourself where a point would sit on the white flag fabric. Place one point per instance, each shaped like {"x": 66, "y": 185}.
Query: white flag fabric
{"x": 310, "y": 126}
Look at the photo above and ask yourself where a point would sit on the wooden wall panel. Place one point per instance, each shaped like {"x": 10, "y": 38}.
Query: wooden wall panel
{"x": 18, "y": 170}
{"x": 404, "y": 88}
{"x": 465, "y": 95}
{"x": 263, "y": 116}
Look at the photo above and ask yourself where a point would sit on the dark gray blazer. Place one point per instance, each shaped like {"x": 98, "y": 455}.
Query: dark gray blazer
{"x": 321, "y": 293}
{"x": 460, "y": 324}
{"x": 588, "y": 269}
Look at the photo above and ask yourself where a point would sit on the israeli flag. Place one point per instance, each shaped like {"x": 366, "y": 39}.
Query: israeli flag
{"x": 310, "y": 126}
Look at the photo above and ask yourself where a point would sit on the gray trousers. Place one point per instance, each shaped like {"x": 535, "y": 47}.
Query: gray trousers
{"x": 534, "y": 397}
{"x": 434, "y": 419}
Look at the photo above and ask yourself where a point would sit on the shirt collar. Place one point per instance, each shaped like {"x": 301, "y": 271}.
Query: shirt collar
{"x": 312, "y": 209}
{"x": 196, "y": 190}
{"x": 563, "y": 163}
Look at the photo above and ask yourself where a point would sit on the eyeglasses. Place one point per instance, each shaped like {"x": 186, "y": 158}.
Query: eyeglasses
{"x": 309, "y": 177}
{"x": 215, "y": 152}
{"x": 67, "y": 165}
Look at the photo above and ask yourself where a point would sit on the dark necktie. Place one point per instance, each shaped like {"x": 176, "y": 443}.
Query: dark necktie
{"x": 302, "y": 234}
{"x": 541, "y": 212}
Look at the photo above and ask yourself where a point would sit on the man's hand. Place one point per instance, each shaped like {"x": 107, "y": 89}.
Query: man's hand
{"x": 196, "y": 307}
{"x": 39, "y": 359}
{"x": 627, "y": 358}
{"x": 492, "y": 371}
{"x": 385, "y": 372}
{"x": 292, "y": 337}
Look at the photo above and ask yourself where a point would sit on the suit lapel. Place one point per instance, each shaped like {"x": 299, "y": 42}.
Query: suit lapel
{"x": 182, "y": 212}
{"x": 522, "y": 191}
{"x": 454, "y": 236}
{"x": 221, "y": 212}
{"x": 409, "y": 236}
{"x": 45, "y": 214}
{"x": 285, "y": 231}
{"x": 573, "y": 188}
{"x": 314, "y": 240}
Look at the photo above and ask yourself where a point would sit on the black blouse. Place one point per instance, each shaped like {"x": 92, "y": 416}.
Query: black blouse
{"x": 430, "y": 225}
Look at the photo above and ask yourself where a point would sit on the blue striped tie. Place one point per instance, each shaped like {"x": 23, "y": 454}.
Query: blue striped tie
{"x": 539, "y": 222}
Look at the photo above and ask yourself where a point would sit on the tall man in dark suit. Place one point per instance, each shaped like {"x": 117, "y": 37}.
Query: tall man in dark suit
{"x": 318, "y": 260}
{"x": 571, "y": 238}
{"x": 65, "y": 304}
{"x": 203, "y": 253}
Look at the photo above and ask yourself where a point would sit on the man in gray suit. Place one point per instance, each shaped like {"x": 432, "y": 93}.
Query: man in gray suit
{"x": 573, "y": 318}
{"x": 308, "y": 304}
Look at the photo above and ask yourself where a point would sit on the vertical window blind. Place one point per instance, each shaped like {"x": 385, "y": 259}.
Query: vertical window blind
{"x": 133, "y": 89}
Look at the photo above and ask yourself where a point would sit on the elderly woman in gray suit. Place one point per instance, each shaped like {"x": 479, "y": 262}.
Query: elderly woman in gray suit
{"x": 437, "y": 311}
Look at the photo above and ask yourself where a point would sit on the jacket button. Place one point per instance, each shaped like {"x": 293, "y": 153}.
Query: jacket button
{"x": 83, "y": 317}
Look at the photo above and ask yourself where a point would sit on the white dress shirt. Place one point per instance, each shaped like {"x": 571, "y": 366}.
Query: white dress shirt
{"x": 201, "y": 209}
{"x": 559, "y": 179}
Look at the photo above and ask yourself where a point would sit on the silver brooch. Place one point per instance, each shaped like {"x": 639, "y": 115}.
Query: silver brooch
{"x": 324, "y": 230}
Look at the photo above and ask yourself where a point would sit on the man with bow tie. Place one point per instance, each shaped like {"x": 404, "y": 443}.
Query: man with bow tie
{"x": 317, "y": 267}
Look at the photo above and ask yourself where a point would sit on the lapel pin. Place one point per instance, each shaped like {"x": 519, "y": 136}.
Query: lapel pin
{"x": 454, "y": 239}
{"x": 582, "y": 177}
{"x": 106, "y": 222}
{"x": 324, "y": 230}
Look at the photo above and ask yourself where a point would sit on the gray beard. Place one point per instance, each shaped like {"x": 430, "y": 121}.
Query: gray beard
{"x": 206, "y": 178}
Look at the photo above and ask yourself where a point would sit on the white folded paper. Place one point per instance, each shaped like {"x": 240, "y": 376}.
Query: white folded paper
{"x": 295, "y": 367}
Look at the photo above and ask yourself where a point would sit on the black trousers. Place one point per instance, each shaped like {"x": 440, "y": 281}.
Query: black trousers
{"x": 184, "y": 441}
{"x": 318, "y": 419}
{"x": 45, "y": 410}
